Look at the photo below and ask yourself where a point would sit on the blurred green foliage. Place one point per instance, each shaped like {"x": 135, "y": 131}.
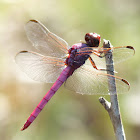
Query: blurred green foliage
{"x": 68, "y": 115}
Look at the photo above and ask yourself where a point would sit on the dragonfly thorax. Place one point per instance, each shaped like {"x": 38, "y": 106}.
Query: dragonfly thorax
{"x": 77, "y": 58}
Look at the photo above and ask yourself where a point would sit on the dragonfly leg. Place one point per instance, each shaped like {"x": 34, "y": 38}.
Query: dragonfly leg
{"x": 94, "y": 65}
{"x": 99, "y": 54}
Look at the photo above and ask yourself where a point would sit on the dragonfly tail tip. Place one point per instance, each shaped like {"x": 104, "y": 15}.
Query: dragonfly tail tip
{"x": 26, "y": 125}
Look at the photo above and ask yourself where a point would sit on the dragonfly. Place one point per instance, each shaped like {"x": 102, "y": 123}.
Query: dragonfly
{"x": 77, "y": 66}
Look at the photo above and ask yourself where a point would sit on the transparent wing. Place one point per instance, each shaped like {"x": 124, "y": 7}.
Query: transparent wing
{"x": 45, "y": 41}
{"x": 120, "y": 54}
{"x": 87, "y": 80}
{"x": 38, "y": 67}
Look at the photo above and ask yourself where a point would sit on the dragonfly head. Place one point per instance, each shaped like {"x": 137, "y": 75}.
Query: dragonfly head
{"x": 93, "y": 39}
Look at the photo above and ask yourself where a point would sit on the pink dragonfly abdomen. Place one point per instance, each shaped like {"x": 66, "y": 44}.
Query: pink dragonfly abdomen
{"x": 61, "y": 79}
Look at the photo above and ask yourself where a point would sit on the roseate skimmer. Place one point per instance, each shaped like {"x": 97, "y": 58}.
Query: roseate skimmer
{"x": 60, "y": 64}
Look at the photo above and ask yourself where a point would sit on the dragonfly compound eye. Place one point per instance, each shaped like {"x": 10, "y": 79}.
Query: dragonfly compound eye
{"x": 92, "y": 39}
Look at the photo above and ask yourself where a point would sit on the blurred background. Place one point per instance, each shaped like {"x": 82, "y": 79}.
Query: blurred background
{"x": 68, "y": 116}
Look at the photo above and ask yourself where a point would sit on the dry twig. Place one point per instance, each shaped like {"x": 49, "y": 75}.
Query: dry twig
{"x": 112, "y": 107}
